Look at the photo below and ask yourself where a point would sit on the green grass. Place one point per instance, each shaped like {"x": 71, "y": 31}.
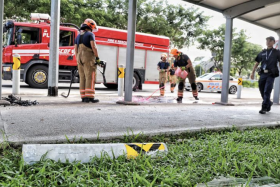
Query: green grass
{"x": 249, "y": 84}
{"x": 192, "y": 158}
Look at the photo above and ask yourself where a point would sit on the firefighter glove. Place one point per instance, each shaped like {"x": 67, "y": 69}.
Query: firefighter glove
{"x": 97, "y": 60}
{"x": 183, "y": 68}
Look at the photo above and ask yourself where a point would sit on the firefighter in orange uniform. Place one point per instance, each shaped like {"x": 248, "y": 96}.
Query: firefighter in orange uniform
{"x": 163, "y": 68}
{"x": 172, "y": 78}
{"x": 87, "y": 58}
{"x": 183, "y": 61}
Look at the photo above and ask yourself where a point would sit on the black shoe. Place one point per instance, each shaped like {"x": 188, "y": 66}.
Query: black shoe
{"x": 94, "y": 100}
{"x": 196, "y": 98}
{"x": 269, "y": 108}
{"x": 86, "y": 100}
{"x": 172, "y": 91}
{"x": 83, "y": 100}
{"x": 263, "y": 110}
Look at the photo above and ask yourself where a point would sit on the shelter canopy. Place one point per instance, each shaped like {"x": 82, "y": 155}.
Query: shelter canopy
{"x": 264, "y": 13}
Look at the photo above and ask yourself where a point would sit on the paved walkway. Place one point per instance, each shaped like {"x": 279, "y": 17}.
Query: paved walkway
{"x": 54, "y": 118}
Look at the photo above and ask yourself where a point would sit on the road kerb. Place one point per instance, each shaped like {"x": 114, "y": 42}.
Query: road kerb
{"x": 33, "y": 153}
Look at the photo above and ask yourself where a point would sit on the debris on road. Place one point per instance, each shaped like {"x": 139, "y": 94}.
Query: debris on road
{"x": 16, "y": 101}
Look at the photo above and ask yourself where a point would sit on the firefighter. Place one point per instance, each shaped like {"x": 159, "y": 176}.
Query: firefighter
{"x": 183, "y": 61}
{"x": 163, "y": 68}
{"x": 172, "y": 78}
{"x": 87, "y": 58}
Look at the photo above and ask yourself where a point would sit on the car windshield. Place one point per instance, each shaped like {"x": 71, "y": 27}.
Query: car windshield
{"x": 203, "y": 75}
{"x": 8, "y": 37}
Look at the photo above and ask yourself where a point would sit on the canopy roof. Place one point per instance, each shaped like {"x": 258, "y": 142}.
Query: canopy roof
{"x": 265, "y": 13}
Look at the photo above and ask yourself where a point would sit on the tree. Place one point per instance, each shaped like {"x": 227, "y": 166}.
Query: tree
{"x": 182, "y": 24}
{"x": 243, "y": 52}
{"x": 213, "y": 40}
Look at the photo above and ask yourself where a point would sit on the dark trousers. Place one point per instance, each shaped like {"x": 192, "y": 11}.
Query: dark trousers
{"x": 266, "y": 85}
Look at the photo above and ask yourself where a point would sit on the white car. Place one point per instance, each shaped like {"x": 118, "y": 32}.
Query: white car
{"x": 212, "y": 82}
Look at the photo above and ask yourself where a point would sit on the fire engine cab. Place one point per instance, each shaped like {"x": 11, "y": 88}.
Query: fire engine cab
{"x": 31, "y": 42}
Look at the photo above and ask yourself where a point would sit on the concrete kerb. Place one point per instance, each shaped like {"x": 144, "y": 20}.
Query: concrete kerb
{"x": 85, "y": 152}
{"x": 119, "y": 136}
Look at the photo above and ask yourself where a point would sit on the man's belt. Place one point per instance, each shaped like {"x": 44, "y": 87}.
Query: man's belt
{"x": 266, "y": 71}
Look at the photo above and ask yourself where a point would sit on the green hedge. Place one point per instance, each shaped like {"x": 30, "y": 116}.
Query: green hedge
{"x": 249, "y": 84}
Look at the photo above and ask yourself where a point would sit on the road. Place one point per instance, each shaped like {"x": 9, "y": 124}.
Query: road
{"x": 148, "y": 90}
{"x": 56, "y": 117}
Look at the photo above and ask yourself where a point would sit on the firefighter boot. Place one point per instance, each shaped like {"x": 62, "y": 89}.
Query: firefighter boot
{"x": 179, "y": 99}
{"x": 92, "y": 100}
{"x": 161, "y": 86}
{"x": 86, "y": 100}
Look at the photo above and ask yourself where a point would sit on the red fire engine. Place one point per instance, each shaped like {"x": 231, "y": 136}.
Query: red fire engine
{"x": 31, "y": 42}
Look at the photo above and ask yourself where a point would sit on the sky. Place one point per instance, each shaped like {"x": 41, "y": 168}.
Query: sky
{"x": 257, "y": 34}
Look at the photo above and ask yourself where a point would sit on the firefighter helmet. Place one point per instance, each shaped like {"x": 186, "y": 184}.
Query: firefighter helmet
{"x": 174, "y": 52}
{"x": 163, "y": 55}
{"x": 91, "y": 24}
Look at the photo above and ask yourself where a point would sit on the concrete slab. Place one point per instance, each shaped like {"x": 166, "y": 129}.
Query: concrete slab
{"x": 127, "y": 103}
{"x": 85, "y": 152}
{"x": 2, "y": 129}
{"x": 50, "y": 123}
{"x": 224, "y": 104}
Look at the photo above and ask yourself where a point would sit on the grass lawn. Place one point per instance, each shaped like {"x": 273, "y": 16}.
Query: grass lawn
{"x": 192, "y": 159}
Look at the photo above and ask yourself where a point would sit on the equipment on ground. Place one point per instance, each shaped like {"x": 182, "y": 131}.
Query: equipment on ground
{"x": 14, "y": 100}
{"x": 74, "y": 72}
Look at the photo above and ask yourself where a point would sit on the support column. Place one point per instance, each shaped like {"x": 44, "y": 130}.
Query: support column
{"x": 130, "y": 50}
{"x": 1, "y": 42}
{"x": 227, "y": 60}
{"x": 277, "y": 80}
{"x": 54, "y": 49}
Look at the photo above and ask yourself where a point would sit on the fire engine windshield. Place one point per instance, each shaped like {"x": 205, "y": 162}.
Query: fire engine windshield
{"x": 8, "y": 36}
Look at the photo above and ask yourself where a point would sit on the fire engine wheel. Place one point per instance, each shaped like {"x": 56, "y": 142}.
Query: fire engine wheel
{"x": 37, "y": 77}
{"x": 135, "y": 82}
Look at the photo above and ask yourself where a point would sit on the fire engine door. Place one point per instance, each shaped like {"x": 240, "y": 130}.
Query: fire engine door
{"x": 27, "y": 43}
{"x": 67, "y": 48}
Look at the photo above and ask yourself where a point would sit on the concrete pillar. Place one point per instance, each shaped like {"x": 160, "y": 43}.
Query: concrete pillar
{"x": 54, "y": 49}
{"x": 1, "y": 42}
{"x": 227, "y": 60}
{"x": 129, "y": 72}
{"x": 277, "y": 80}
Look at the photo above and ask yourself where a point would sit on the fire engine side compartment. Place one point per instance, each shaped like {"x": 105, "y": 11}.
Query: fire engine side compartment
{"x": 148, "y": 50}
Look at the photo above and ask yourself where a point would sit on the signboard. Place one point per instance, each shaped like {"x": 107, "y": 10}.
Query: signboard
{"x": 240, "y": 81}
{"x": 121, "y": 72}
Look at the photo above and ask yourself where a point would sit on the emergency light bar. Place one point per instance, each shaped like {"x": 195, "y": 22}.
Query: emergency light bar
{"x": 39, "y": 17}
